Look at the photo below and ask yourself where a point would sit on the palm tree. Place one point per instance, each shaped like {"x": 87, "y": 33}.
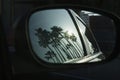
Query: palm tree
{"x": 44, "y": 37}
{"x": 57, "y": 42}
{"x": 56, "y": 32}
{"x": 50, "y": 55}
{"x": 60, "y": 56}
{"x": 62, "y": 47}
{"x": 70, "y": 45}
{"x": 57, "y": 59}
{"x": 74, "y": 39}
{"x": 57, "y": 49}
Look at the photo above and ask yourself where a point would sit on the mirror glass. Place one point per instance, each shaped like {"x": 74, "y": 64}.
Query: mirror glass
{"x": 70, "y": 36}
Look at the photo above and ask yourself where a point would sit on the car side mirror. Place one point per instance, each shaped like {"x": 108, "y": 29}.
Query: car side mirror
{"x": 71, "y": 35}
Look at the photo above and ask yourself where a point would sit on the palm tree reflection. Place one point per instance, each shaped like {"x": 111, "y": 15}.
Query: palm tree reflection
{"x": 60, "y": 46}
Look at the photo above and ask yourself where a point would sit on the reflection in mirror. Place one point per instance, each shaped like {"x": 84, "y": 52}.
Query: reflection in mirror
{"x": 71, "y": 36}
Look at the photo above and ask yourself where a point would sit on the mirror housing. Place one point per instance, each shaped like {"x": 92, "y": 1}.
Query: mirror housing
{"x": 62, "y": 47}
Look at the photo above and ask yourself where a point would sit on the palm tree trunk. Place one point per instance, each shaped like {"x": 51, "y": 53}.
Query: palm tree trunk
{"x": 51, "y": 50}
{"x": 75, "y": 51}
{"x": 59, "y": 54}
{"x": 63, "y": 48}
{"x": 81, "y": 51}
{"x": 69, "y": 51}
{"x": 66, "y": 53}
{"x": 57, "y": 59}
{"x": 73, "y": 48}
{"x": 70, "y": 44}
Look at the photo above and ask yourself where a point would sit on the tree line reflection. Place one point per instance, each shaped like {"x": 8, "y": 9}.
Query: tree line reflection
{"x": 60, "y": 45}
